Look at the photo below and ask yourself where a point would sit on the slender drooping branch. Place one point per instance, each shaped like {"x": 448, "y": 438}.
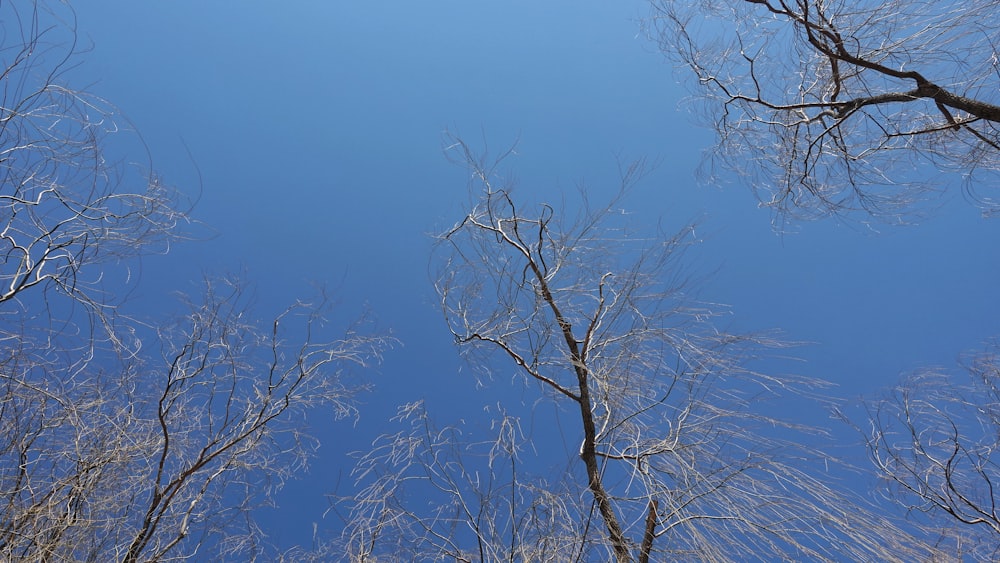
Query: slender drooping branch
{"x": 660, "y": 397}
{"x": 508, "y": 229}
{"x": 934, "y": 439}
{"x": 825, "y": 107}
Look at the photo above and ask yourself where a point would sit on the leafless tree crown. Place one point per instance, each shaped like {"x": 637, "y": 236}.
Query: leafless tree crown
{"x": 935, "y": 439}
{"x": 673, "y": 459}
{"x": 828, "y": 107}
{"x": 65, "y": 207}
{"x": 153, "y": 457}
{"x": 153, "y": 447}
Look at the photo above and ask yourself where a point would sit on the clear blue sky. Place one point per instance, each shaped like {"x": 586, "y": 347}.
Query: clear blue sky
{"x": 317, "y": 129}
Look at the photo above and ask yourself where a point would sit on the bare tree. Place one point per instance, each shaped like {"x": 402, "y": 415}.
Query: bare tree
{"x": 936, "y": 441}
{"x": 827, "y": 107}
{"x": 120, "y": 441}
{"x": 153, "y": 458}
{"x": 66, "y": 211}
{"x": 486, "y": 505}
{"x": 675, "y": 460}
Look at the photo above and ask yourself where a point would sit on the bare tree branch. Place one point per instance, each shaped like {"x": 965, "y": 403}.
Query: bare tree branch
{"x": 109, "y": 452}
{"x": 936, "y": 440}
{"x": 676, "y": 459}
{"x": 65, "y": 208}
{"x": 139, "y": 458}
{"x": 828, "y": 107}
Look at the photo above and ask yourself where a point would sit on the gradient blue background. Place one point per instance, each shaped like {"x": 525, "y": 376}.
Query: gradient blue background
{"x": 316, "y": 127}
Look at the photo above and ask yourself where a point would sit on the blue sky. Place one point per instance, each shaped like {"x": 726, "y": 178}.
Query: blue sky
{"x": 317, "y": 130}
